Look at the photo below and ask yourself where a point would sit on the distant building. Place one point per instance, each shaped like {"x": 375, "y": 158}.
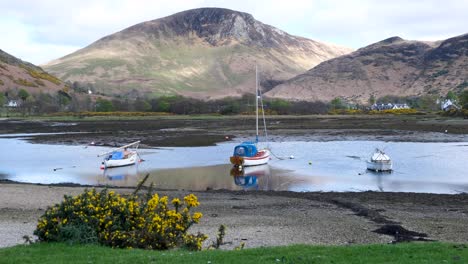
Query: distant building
{"x": 448, "y": 105}
{"x": 401, "y": 106}
{"x": 389, "y": 106}
{"x": 13, "y": 103}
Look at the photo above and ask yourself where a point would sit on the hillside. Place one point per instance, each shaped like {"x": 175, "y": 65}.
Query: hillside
{"x": 203, "y": 53}
{"x": 390, "y": 67}
{"x": 16, "y": 74}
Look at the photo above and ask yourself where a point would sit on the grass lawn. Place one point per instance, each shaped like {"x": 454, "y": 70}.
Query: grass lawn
{"x": 399, "y": 253}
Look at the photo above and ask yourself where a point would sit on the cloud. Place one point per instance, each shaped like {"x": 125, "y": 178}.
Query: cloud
{"x": 359, "y": 23}
{"x": 19, "y": 44}
{"x": 39, "y": 31}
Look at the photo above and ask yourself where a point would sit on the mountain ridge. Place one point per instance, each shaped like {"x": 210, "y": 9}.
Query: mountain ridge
{"x": 204, "y": 53}
{"x": 393, "y": 66}
{"x": 17, "y": 74}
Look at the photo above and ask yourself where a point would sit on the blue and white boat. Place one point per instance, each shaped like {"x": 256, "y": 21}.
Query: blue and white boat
{"x": 247, "y": 153}
{"x": 120, "y": 157}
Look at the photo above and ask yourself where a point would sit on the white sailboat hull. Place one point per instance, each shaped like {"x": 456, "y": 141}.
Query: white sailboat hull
{"x": 132, "y": 159}
{"x": 379, "y": 166}
{"x": 252, "y": 161}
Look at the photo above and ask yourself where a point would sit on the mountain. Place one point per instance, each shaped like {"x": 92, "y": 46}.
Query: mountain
{"x": 204, "y": 53}
{"x": 390, "y": 67}
{"x": 17, "y": 74}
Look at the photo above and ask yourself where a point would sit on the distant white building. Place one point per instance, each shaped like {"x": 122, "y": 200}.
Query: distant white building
{"x": 448, "y": 105}
{"x": 401, "y": 106}
{"x": 389, "y": 106}
{"x": 13, "y": 103}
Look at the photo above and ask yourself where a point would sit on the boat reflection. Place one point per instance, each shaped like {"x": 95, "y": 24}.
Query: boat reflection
{"x": 379, "y": 178}
{"x": 252, "y": 178}
{"x": 120, "y": 173}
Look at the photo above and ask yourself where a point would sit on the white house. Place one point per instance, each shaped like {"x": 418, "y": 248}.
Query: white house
{"x": 448, "y": 105}
{"x": 13, "y": 103}
{"x": 389, "y": 106}
{"x": 400, "y": 106}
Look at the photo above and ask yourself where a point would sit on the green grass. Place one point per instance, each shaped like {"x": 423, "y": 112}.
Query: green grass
{"x": 400, "y": 253}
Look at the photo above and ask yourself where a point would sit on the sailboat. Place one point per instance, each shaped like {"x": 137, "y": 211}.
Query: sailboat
{"x": 379, "y": 161}
{"x": 247, "y": 153}
{"x": 121, "y": 156}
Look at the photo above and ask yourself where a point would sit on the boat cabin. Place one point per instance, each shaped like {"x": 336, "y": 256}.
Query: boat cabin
{"x": 116, "y": 155}
{"x": 380, "y": 156}
{"x": 246, "y": 149}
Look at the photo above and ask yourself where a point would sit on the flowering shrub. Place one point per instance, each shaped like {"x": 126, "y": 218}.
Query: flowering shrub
{"x": 110, "y": 219}
{"x": 395, "y": 112}
{"x": 345, "y": 112}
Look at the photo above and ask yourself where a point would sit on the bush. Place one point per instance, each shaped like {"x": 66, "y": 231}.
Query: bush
{"x": 455, "y": 113}
{"x": 112, "y": 220}
{"x": 41, "y": 75}
{"x": 25, "y": 82}
{"x": 103, "y": 105}
{"x": 395, "y": 112}
{"x": 345, "y": 112}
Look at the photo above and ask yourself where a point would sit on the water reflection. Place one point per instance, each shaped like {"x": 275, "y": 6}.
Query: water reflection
{"x": 205, "y": 178}
{"x": 223, "y": 177}
{"x": 318, "y": 166}
{"x": 379, "y": 177}
{"x": 252, "y": 178}
{"x": 121, "y": 173}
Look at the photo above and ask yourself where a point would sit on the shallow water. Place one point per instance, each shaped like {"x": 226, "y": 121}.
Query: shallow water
{"x": 317, "y": 166}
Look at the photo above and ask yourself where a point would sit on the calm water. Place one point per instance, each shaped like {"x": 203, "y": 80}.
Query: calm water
{"x": 317, "y": 166}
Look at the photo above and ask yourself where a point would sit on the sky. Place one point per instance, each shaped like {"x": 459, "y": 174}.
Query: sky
{"x": 41, "y": 31}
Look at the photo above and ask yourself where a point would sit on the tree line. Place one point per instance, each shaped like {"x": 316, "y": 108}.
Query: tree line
{"x": 80, "y": 100}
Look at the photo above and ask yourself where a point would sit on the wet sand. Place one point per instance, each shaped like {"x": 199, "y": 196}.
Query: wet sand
{"x": 277, "y": 218}
{"x": 205, "y": 131}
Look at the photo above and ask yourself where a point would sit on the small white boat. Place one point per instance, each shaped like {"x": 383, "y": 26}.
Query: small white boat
{"x": 247, "y": 154}
{"x": 120, "y": 157}
{"x": 379, "y": 161}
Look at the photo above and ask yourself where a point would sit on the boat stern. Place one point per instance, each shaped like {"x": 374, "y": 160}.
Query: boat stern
{"x": 237, "y": 160}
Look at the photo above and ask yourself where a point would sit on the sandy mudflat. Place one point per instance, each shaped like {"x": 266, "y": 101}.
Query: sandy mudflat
{"x": 198, "y": 131}
{"x": 277, "y": 218}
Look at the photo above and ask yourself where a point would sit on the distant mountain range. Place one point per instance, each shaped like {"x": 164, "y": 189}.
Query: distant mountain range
{"x": 16, "y": 74}
{"x": 390, "y": 67}
{"x": 203, "y": 53}
{"x": 210, "y": 53}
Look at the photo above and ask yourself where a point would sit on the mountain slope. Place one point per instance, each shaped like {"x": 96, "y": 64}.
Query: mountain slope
{"x": 390, "y": 67}
{"x": 17, "y": 74}
{"x": 204, "y": 53}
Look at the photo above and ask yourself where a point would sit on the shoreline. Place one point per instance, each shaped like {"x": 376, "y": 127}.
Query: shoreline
{"x": 273, "y": 218}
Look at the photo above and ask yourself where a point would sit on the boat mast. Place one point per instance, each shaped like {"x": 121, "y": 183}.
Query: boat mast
{"x": 256, "y": 104}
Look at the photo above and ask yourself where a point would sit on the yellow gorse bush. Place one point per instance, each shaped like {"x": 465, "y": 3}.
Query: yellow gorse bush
{"x": 110, "y": 219}
{"x": 395, "y": 112}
